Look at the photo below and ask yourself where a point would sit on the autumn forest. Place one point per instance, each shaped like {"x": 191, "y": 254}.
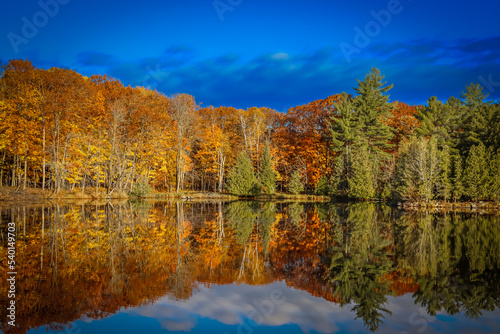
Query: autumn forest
{"x": 61, "y": 130}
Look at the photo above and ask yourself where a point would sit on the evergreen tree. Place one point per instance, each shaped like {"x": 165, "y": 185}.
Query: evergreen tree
{"x": 322, "y": 188}
{"x": 361, "y": 183}
{"x": 295, "y": 185}
{"x": 475, "y": 118}
{"x": 473, "y": 96}
{"x": 242, "y": 180}
{"x": 373, "y": 114}
{"x": 344, "y": 135}
{"x": 373, "y": 110}
{"x": 441, "y": 121}
{"x": 344, "y": 126}
{"x": 267, "y": 173}
{"x": 476, "y": 173}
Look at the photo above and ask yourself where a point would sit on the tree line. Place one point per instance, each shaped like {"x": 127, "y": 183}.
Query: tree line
{"x": 62, "y": 130}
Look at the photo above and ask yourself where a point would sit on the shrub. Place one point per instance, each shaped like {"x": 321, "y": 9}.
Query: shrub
{"x": 141, "y": 189}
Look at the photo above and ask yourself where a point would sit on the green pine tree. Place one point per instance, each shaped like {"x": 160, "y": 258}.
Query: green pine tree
{"x": 441, "y": 121}
{"x": 344, "y": 125}
{"x": 295, "y": 185}
{"x": 322, "y": 188}
{"x": 344, "y": 132}
{"x": 373, "y": 108}
{"x": 476, "y": 117}
{"x": 473, "y": 96}
{"x": 242, "y": 180}
{"x": 267, "y": 173}
{"x": 476, "y": 173}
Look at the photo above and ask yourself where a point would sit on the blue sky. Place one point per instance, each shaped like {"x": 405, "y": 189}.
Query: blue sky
{"x": 245, "y": 53}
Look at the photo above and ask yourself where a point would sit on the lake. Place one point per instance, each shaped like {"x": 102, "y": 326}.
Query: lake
{"x": 250, "y": 267}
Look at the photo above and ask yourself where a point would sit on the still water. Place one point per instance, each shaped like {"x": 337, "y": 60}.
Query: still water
{"x": 250, "y": 267}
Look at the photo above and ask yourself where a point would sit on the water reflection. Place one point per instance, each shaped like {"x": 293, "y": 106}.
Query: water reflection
{"x": 94, "y": 260}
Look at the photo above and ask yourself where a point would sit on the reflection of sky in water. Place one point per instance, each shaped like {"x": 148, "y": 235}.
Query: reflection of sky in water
{"x": 227, "y": 309}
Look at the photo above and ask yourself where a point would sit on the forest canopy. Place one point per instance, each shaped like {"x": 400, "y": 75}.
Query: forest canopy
{"x": 62, "y": 130}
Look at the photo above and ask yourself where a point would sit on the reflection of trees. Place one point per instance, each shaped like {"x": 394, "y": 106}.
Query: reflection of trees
{"x": 296, "y": 249}
{"x": 266, "y": 219}
{"x": 89, "y": 260}
{"x": 242, "y": 216}
{"x": 359, "y": 264}
{"x": 94, "y": 259}
{"x": 295, "y": 211}
{"x": 422, "y": 245}
{"x": 180, "y": 282}
{"x": 455, "y": 259}
{"x": 455, "y": 292}
{"x": 252, "y": 222}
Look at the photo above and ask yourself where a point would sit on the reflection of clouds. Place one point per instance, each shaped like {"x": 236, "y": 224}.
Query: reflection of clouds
{"x": 171, "y": 317}
{"x": 242, "y": 301}
{"x": 234, "y": 304}
{"x": 410, "y": 318}
{"x": 176, "y": 325}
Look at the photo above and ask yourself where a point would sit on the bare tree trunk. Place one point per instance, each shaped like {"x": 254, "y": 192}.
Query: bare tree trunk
{"x": 183, "y": 107}
{"x": 222, "y": 160}
{"x": 178, "y": 166}
{"x": 244, "y": 125}
{"x": 14, "y": 167}
{"x": 98, "y": 166}
{"x": 1, "y": 168}
{"x": 63, "y": 163}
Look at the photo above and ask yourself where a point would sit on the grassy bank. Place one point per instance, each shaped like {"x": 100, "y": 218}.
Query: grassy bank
{"x": 37, "y": 195}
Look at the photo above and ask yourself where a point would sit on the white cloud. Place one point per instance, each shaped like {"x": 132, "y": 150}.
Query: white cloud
{"x": 280, "y": 56}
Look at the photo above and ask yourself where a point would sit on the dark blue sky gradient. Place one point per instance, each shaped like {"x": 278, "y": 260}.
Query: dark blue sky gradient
{"x": 264, "y": 53}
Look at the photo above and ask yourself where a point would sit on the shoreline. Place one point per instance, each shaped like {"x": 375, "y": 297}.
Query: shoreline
{"x": 12, "y": 195}
{"x": 481, "y": 207}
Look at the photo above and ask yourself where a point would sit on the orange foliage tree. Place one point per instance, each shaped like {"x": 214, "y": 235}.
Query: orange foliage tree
{"x": 302, "y": 138}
